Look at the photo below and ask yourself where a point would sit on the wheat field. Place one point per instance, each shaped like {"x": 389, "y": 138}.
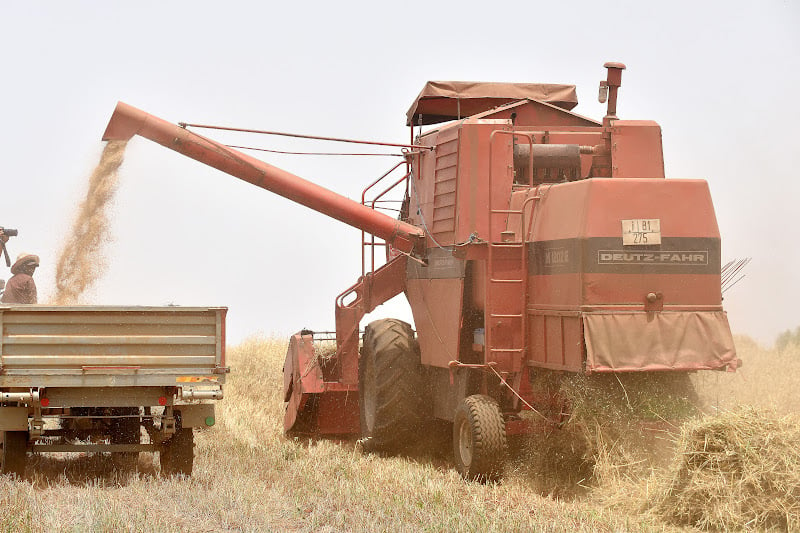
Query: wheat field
{"x": 249, "y": 477}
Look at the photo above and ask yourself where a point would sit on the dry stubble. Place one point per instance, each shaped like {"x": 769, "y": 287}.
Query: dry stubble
{"x": 248, "y": 477}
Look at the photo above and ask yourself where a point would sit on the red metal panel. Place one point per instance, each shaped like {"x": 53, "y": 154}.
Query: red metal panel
{"x": 685, "y": 211}
{"x": 677, "y": 289}
{"x": 436, "y": 305}
{"x": 536, "y": 343}
{"x": 371, "y": 290}
{"x": 560, "y": 291}
{"x": 573, "y": 342}
{"x": 300, "y": 370}
{"x": 475, "y": 164}
{"x": 444, "y": 191}
{"x": 478, "y": 285}
{"x": 555, "y": 340}
{"x": 338, "y": 413}
{"x": 595, "y": 207}
{"x": 684, "y": 206}
{"x": 294, "y": 407}
{"x": 315, "y": 406}
{"x": 561, "y": 210}
{"x": 636, "y": 149}
{"x": 571, "y": 291}
{"x": 302, "y": 376}
{"x": 438, "y": 168}
{"x": 453, "y": 210}
{"x": 575, "y": 221}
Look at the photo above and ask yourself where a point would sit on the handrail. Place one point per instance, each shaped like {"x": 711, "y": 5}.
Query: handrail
{"x": 371, "y": 243}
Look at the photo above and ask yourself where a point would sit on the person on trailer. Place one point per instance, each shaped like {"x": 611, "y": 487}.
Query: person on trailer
{"x": 20, "y": 288}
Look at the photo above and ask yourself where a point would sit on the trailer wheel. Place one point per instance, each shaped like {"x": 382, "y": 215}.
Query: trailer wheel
{"x": 479, "y": 438}
{"x": 126, "y": 430}
{"x": 177, "y": 455}
{"x": 15, "y": 448}
{"x": 391, "y": 392}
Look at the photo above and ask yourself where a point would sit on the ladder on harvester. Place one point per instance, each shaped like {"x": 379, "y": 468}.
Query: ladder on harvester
{"x": 506, "y": 288}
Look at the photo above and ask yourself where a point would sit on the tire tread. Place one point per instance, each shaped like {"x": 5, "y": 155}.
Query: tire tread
{"x": 399, "y": 385}
{"x": 489, "y": 443}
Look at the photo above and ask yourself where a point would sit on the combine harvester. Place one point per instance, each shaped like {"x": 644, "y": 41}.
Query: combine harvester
{"x": 532, "y": 243}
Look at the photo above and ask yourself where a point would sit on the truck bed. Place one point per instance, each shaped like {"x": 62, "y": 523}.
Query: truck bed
{"x": 111, "y": 346}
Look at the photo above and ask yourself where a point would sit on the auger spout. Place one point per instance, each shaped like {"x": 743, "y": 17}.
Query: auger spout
{"x": 128, "y": 121}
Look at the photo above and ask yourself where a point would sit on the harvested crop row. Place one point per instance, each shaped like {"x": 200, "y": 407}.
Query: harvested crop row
{"x": 735, "y": 470}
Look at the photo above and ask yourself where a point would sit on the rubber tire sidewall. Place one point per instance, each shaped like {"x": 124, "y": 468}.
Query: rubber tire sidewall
{"x": 480, "y": 419}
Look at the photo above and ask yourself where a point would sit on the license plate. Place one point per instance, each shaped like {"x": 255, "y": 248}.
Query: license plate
{"x": 641, "y": 231}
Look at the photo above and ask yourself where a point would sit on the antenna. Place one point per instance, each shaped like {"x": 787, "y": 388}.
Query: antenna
{"x": 732, "y": 272}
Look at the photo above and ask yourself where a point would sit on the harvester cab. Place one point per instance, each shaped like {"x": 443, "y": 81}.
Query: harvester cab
{"x": 534, "y": 243}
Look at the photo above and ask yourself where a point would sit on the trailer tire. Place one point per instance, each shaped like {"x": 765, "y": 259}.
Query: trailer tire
{"x": 177, "y": 455}
{"x": 126, "y": 430}
{"x": 15, "y": 449}
{"x": 392, "y": 390}
{"x": 479, "y": 439}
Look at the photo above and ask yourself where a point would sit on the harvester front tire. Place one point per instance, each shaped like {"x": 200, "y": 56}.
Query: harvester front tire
{"x": 391, "y": 392}
{"x": 15, "y": 449}
{"x": 177, "y": 456}
{"x": 479, "y": 439}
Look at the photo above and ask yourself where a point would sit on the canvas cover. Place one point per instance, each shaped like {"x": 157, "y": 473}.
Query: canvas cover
{"x": 440, "y": 101}
{"x": 641, "y": 341}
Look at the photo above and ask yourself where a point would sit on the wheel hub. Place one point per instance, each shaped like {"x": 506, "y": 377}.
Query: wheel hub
{"x": 465, "y": 443}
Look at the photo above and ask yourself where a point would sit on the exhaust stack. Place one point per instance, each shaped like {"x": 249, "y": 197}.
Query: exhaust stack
{"x": 128, "y": 121}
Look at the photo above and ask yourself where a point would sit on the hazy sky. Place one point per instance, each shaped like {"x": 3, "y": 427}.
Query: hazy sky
{"x": 722, "y": 79}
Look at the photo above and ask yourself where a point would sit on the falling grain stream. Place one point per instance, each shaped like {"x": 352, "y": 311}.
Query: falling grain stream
{"x": 82, "y": 259}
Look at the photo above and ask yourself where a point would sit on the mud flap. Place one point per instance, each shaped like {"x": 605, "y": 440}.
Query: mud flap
{"x": 13, "y": 419}
{"x": 627, "y": 341}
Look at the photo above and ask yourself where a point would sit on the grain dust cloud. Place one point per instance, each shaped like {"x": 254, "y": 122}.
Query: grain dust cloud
{"x": 82, "y": 259}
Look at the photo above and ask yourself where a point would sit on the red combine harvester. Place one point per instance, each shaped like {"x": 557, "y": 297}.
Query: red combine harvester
{"x": 532, "y": 242}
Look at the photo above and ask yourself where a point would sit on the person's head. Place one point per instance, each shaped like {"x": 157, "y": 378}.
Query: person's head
{"x": 25, "y": 264}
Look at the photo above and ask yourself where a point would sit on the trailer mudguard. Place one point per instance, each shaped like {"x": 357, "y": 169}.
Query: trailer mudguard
{"x": 197, "y": 415}
{"x": 13, "y": 419}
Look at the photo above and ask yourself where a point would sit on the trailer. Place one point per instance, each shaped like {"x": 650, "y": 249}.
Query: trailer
{"x": 92, "y": 378}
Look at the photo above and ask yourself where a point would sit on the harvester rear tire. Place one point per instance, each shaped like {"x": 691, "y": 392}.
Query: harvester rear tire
{"x": 392, "y": 389}
{"x": 177, "y": 456}
{"x": 15, "y": 449}
{"x": 479, "y": 439}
